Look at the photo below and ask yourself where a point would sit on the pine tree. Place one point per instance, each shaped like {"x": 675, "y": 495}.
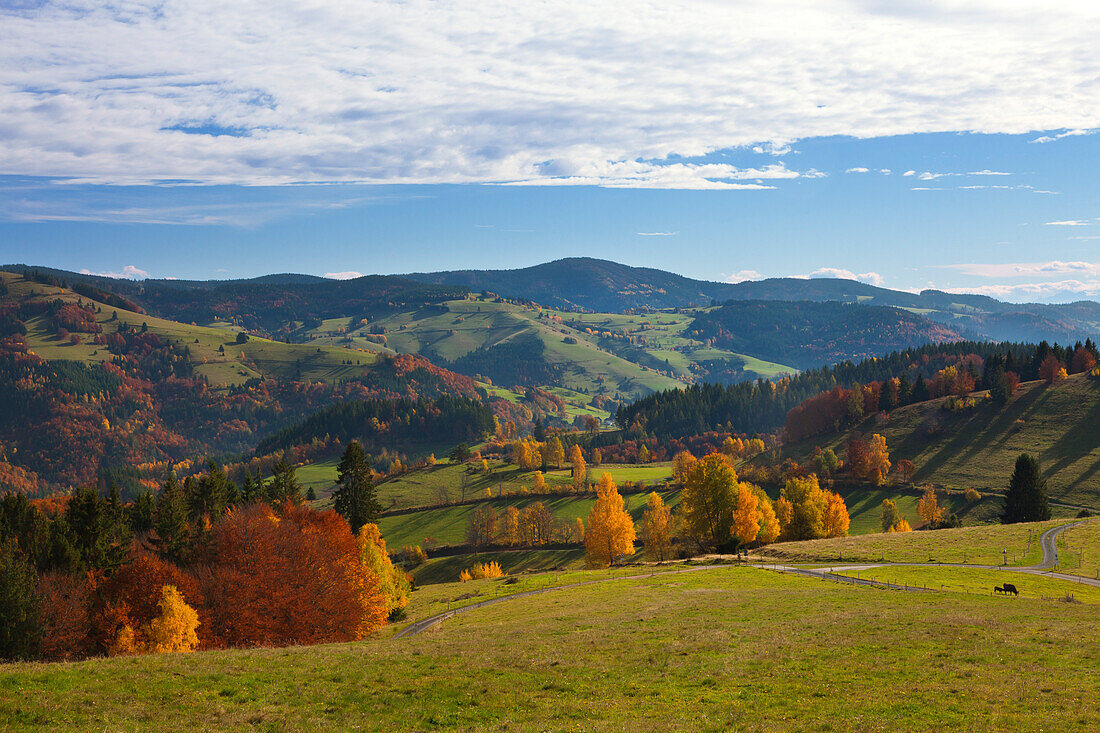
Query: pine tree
{"x": 354, "y": 497}
{"x": 20, "y": 618}
{"x": 283, "y": 488}
{"x": 1026, "y": 500}
{"x": 171, "y": 521}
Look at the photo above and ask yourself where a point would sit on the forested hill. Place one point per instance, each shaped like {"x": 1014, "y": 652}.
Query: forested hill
{"x": 587, "y": 284}
{"x": 808, "y": 334}
{"x": 271, "y": 302}
{"x": 598, "y": 285}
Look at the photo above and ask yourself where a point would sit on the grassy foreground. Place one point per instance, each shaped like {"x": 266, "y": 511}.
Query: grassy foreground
{"x": 715, "y": 650}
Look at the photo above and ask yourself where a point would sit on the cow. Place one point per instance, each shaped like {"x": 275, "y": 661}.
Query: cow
{"x": 1006, "y": 589}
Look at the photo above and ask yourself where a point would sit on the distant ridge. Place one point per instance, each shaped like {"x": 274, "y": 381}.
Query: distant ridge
{"x": 590, "y": 284}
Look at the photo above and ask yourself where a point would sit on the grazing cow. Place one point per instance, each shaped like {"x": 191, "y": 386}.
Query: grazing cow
{"x": 1006, "y": 589}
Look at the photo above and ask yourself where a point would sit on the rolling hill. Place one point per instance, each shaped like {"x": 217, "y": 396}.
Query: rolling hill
{"x": 977, "y": 447}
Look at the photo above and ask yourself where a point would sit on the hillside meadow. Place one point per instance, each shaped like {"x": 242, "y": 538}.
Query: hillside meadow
{"x": 708, "y": 650}
{"x": 978, "y": 447}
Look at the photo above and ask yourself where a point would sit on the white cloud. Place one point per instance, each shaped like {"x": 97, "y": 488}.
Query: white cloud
{"x": 657, "y": 234}
{"x": 496, "y": 91}
{"x": 871, "y": 278}
{"x": 1069, "y": 223}
{"x": 742, "y": 276}
{"x": 857, "y": 170}
{"x": 885, "y": 171}
{"x": 1059, "y": 290}
{"x": 129, "y": 272}
{"x": 346, "y": 275}
{"x": 1027, "y": 269}
{"x": 909, "y": 173}
{"x": 1059, "y": 136}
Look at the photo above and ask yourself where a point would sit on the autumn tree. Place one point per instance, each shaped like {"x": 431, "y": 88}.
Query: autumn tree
{"x": 392, "y": 581}
{"x": 889, "y": 515}
{"x": 657, "y": 527}
{"x": 580, "y": 469}
{"x": 296, "y": 577}
{"x": 536, "y": 524}
{"x": 806, "y": 511}
{"x": 769, "y": 524}
{"x": 1051, "y": 369}
{"x": 746, "y": 515}
{"x": 553, "y": 454}
{"x": 354, "y": 498}
{"x": 836, "y": 520}
{"x": 609, "y": 532}
{"x": 929, "y": 509}
{"x": 481, "y": 528}
{"x": 510, "y": 530}
{"x": 539, "y": 483}
{"x": 682, "y": 463}
{"x": 643, "y": 454}
{"x": 174, "y": 628}
{"x": 597, "y": 457}
{"x": 708, "y": 498}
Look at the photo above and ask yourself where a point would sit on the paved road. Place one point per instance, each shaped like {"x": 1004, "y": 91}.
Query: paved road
{"x": 1048, "y": 541}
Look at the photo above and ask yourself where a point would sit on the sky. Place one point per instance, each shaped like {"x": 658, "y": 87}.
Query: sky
{"x": 910, "y": 144}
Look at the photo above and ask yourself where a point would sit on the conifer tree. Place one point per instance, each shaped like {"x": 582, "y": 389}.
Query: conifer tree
{"x": 1026, "y": 500}
{"x": 354, "y": 498}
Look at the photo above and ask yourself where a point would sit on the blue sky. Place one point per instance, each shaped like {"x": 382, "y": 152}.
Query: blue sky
{"x": 934, "y": 144}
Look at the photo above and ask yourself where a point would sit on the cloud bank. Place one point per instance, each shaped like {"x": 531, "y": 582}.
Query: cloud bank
{"x": 566, "y": 92}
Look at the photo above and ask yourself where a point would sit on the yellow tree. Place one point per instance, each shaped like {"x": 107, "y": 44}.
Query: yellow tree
{"x": 374, "y": 556}
{"x": 609, "y": 533}
{"x": 929, "y": 509}
{"x": 836, "y": 518}
{"x": 580, "y": 468}
{"x": 769, "y": 523}
{"x": 509, "y": 529}
{"x": 643, "y": 454}
{"x": 901, "y": 526}
{"x": 708, "y": 498}
{"x": 553, "y": 453}
{"x": 746, "y": 516}
{"x": 173, "y": 629}
{"x": 805, "y": 517}
{"x": 682, "y": 463}
{"x": 540, "y": 482}
{"x": 890, "y": 515}
{"x": 597, "y": 457}
{"x": 657, "y": 529}
{"x": 878, "y": 460}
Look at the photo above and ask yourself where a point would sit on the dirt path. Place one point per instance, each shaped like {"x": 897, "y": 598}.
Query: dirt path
{"x": 1048, "y": 541}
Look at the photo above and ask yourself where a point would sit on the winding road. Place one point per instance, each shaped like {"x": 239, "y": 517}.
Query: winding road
{"x": 1048, "y": 541}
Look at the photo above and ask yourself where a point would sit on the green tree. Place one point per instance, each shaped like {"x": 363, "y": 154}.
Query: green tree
{"x": 460, "y": 453}
{"x": 98, "y": 529}
{"x": 1026, "y": 500}
{"x": 173, "y": 535}
{"x": 20, "y": 617}
{"x": 211, "y": 495}
{"x": 890, "y": 515}
{"x": 354, "y": 497}
{"x": 283, "y": 487}
{"x": 709, "y": 498}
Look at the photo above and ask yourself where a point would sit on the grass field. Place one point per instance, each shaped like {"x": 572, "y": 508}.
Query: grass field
{"x": 715, "y": 650}
{"x": 978, "y": 448}
{"x": 982, "y": 545}
{"x": 982, "y": 582}
{"x": 446, "y": 482}
{"x": 447, "y": 525}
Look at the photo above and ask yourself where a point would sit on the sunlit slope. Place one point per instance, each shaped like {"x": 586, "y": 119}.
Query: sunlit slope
{"x": 978, "y": 447}
{"x": 213, "y": 348}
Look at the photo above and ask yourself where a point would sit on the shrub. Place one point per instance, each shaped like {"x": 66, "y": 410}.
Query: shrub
{"x": 972, "y": 496}
{"x": 481, "y": 571}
